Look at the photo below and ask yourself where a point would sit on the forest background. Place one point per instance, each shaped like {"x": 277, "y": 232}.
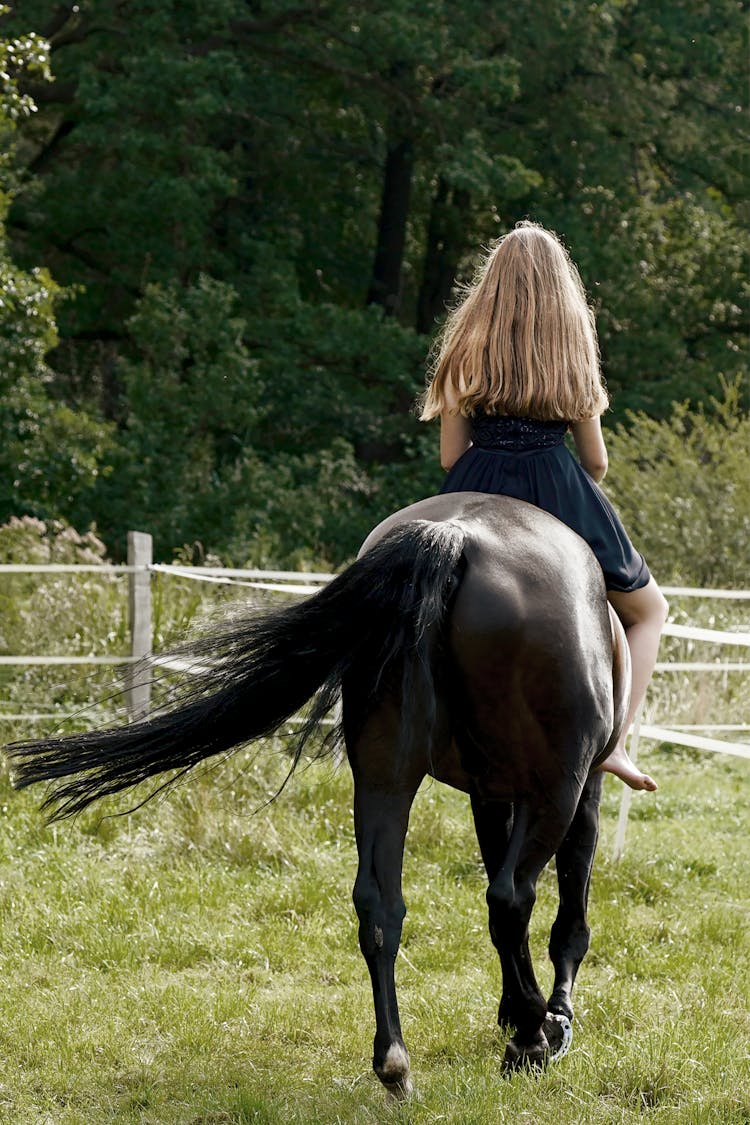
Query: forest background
{"x": 229, "y": 232}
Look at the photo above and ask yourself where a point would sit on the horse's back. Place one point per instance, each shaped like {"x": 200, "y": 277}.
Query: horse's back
{"x": 518, "y": 556}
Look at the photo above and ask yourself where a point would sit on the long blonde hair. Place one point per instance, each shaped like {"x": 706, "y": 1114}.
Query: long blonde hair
{"x": 522, "y": 340}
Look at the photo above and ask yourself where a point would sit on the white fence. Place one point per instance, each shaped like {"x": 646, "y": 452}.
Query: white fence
{"x": 140, "y": 567}
{"x": 681, "y": 735}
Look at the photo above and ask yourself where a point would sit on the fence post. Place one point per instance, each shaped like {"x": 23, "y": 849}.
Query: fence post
{"x": 140, "y": 554}
{"x": 627, "y": 793}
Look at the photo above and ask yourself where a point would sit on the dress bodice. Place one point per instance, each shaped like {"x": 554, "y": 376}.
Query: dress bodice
{"x": 514, "y": 435}
{"x": 526, "y": 458}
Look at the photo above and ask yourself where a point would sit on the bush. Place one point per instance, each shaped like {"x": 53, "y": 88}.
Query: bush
{"x": 683, "y": 491}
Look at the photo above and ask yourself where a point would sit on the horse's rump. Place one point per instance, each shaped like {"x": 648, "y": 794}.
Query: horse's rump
{"x": 529, "y": 647}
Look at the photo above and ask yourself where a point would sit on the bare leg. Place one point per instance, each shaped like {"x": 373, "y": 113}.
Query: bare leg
{"x": 643, "y": 613}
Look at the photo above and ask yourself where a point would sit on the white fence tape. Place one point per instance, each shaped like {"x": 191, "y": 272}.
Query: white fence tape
{"x": 695, "y": 741}
{"x": 225, "y": 580}
{"x": 201, "y": 572}
{"x": 710, "y": 726}
{"x": 697, "y": 592}
{"x": 280, "y": 575}
{"x": 713, "y": 636}
{"x": 198, "y": 572}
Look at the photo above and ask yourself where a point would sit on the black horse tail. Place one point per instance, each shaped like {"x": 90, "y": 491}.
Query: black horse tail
{"x": 379, "y": 616}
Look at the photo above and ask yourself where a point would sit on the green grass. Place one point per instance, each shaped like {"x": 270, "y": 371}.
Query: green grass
{"x": 195, "y": 964}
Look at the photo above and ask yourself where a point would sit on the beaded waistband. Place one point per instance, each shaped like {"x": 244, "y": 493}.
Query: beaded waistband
{"x": 514, "y": 435}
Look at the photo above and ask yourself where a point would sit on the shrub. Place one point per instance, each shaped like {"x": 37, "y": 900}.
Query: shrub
{"x": 683, "y": 490}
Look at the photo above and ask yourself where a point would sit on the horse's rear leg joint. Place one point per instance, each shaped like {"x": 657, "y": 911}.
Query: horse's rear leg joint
{"x": 570, "y": 939}
{"x": 501, "y": 893}
{"x": 510, "y": 900}
{"x": 380, "y": 922}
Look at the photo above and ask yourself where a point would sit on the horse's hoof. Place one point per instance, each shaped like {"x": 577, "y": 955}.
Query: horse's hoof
{"x": 532, "y": 1057}
{"x": 559, "y": 1005}
{"x": 394, "y": 1073}
{"x": 400, "y": 1091}
{"x": 559, "y": 1032}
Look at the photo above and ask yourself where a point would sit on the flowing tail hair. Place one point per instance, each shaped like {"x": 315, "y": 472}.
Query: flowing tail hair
{"x": 381, "y": 615}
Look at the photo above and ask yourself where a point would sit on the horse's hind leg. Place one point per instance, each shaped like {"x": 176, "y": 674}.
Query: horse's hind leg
{"x": 569, "y": 939}
{"x": 384, "y": 789}
{"x": 493, "y": 821}
{"x": 530, "y": 845}
{"x": 381, "y": 821}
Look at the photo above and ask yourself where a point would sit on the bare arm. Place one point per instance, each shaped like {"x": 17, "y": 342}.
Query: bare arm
{"x": 589, "y": 442}
{"x": 455, "y": 431}
{"x": 455, "y": 438}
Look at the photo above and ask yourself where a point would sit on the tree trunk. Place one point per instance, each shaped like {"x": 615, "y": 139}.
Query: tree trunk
{"x": 385, "y": 286}
{"x": 445, "y": 241}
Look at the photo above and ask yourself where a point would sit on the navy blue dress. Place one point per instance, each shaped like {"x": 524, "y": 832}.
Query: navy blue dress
{"x": 528, "y": 459}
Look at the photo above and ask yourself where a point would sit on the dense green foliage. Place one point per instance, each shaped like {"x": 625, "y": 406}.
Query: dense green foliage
{"x": 683, "y": 489}
{"x": 255, "y": 212}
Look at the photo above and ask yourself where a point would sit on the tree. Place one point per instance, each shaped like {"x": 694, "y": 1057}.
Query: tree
{"x": 324, "y": 173}
{"x": 50, "y": 454}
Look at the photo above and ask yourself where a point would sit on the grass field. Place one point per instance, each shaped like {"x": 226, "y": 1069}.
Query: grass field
{"x": 195, "y": 964}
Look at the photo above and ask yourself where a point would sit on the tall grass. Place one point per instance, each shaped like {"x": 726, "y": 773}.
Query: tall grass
{"x": 195, "y": 963}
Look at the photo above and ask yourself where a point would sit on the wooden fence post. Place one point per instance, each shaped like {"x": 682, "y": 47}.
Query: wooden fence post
{"x": 627, "y": 793}
{"x": 140, "y": 554}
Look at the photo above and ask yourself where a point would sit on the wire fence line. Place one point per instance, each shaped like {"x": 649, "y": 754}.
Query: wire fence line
{"x": 140, "y": 567}
{"x": 141, "y": 662}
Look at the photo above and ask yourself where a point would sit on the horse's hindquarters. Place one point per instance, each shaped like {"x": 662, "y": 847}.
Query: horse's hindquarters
{"x": 531, "y": 656}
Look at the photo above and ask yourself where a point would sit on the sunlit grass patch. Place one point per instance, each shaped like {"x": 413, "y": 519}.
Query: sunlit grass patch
{"x": 197, "y": 961}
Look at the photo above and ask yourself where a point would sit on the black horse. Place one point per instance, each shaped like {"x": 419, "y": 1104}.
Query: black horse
{"x": 471, "y": 641}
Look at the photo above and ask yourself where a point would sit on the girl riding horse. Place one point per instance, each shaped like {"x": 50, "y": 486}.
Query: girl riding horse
{"x": 516, "y": 367}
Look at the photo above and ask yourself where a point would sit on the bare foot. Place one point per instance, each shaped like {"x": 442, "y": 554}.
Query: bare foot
{"x": 621, "y": 766}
